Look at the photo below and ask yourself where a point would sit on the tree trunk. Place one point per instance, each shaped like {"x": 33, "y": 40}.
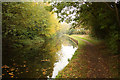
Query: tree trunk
{"x": 117, "y": 14}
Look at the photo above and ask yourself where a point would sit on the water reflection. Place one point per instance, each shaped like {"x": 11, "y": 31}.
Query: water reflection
{"x": 34, "y": 61}
{"x": 37, "y": 61}
{"x": 65, "y": 54}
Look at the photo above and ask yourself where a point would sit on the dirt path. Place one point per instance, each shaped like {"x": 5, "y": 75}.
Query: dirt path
{"x": 97, "y": 66}
{"x": 91, "y": 61}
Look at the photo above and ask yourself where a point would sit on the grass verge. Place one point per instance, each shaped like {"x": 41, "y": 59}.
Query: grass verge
{"x": 72, "y": 70}
{"x": 78, "y": 67}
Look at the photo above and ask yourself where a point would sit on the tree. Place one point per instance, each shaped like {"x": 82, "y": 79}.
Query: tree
{"x": 101, "y": 18}
{"x": 27, "y": 21}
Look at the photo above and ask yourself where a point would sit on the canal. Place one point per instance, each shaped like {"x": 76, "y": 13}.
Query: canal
{"x": 38, "y": 61}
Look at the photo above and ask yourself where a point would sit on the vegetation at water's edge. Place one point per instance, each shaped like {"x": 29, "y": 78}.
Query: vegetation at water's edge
{"x": 71, "y": 70}
{"x": 78, "y": 66}
{"x": 92, "y": 40}
{"x": 100, "y": 20}
{"x": 27, "y": 23}
{"x": 30, "y": 37}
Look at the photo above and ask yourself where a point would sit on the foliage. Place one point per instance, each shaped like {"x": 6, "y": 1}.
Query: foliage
{"x": 64, "y": 27}
{"x": 101, "y": 18}
{"x": 27, "y": 22}
{"x": 30, "y": 40}
{"x": 77, "y": 31}
{"x": 38, "y": 60}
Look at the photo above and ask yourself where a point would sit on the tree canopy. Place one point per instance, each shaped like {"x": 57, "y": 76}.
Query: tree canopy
{"x": 26, "y": 21}
{"x": 101, "y": 18}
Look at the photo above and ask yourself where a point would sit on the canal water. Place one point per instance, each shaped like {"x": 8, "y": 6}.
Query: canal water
{"x": 38, "y": 61}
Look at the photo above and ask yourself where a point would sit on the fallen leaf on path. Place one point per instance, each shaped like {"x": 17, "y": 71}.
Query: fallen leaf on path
{"x": 16, "y": 70}
{"x": 88, "y": 66}
{"x": 80, "y": 68}
{"x": 107, "y": 70}
{"x": 114, "y": 67}
{"x": 11, "y": 74}
{"x": 104, "y": 67}
{"x": 99, "y": 69}
{"x": 70, "y": 69}
{"x": 14, "y": 63}
{"x": 24, "y": 61}
{"x": 64, "y": 75}
{"x": 27, "y": 71}
{"x": 70, "y": 73}
{"x": 99, "y": 58}
{"x": 37, "y": 69}
{"x": 88, "y": 75}
{"x": 21, "y": 72}
{"x": 24, "y": 65}
{"x": 88, "y": 61}
{"x": 12, "y": 69}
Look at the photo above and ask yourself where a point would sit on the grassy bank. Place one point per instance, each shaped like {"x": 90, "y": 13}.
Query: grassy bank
{"x": 79, "y": 65}
{"x": 72, "y": 70}
{"x": 85, "y": 37}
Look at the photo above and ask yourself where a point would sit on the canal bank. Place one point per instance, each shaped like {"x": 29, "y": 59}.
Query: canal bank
{"x": 38, "y": 60}
{"x": 91, "y": 60}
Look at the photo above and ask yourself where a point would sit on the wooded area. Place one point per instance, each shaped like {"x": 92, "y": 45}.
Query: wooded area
{"x": 27, "y": 23}
{"x": 102, "y": 19}
{"x": 37, "y": 35}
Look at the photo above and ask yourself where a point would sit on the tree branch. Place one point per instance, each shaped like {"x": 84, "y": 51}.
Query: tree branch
{"x": 109, "y": 6}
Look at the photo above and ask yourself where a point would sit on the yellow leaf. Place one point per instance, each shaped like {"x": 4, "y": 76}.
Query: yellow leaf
{"x": 27, "y": 71}
{"x": 44, "y": 73}
{"x": 24, "y": 65}
{"x": 11, "y": 74}
{"x": 70, "y": 69}
{"x": 12, "y": 69}
{"x": 7, "y": 71}
{"x": 37, "y": 69}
